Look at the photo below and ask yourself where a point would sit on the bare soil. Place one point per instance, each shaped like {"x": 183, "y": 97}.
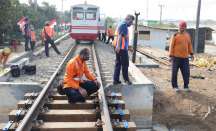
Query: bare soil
{"x": 194, "y": 111}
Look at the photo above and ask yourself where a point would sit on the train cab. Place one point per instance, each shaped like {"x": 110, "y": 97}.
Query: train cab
{"x": 86, "y": 22}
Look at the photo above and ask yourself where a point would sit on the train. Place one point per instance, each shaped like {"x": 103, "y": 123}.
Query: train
{"x": 86, "y": 22}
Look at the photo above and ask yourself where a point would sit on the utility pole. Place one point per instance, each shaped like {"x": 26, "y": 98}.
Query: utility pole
{"x": 197, "y": 26}
{"x": 35, "y": 5}
{"x": 120, "y": 19}
{"x": 62, "y": 16}
{"x": 147, "y": 10}
{"x": 135, "y": 38}
{"x": 161, "y": 12}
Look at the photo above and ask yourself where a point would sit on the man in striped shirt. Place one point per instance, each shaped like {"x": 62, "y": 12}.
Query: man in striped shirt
{"x": 178, "y": 54}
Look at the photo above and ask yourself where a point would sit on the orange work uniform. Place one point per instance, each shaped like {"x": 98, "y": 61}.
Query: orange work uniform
{"x": 2, "y": 57}
{"x": 49, "y": 31}
{"x": 74, "y": 71}
{"x": 110, "y": 32}
{"x": 180, "y": 45}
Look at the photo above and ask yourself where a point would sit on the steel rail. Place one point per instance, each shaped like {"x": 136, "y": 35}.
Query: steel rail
{"x": 105, "y": 116}
{"x": 34, "y": 111}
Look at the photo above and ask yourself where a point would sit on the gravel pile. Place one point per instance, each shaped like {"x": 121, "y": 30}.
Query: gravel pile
{"x": 45, "y": 64}
{"x": 106, "y": 59}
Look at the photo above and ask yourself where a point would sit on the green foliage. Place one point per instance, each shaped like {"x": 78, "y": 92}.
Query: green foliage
{"x": 110, "y": 22}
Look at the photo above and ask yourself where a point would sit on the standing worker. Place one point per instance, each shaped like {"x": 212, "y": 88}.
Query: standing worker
{"x": 180, "y": 45}
{"x": 110, "y": 32}
{"x": 104, "y": 36}
{"x": 32, "y": 37}
{"x": 75, "y": 87}
{"x": 26, "y": 33}
{"x": 49, "y": 31}
{"x": 122, "y": 59}
{"x": 4, "y": 55}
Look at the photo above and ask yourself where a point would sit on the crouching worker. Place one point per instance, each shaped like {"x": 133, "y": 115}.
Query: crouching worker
{"x": 75, "y": 87}
{"x": 4, "y": 55}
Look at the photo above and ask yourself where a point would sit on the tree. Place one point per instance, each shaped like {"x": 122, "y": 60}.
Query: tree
{"x": 110, "y": 22}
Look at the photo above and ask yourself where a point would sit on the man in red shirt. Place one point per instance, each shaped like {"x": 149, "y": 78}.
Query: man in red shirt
{"x": 179, "y": 47}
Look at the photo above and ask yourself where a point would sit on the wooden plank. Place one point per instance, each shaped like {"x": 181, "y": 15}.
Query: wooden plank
{"x": 63, "y": 104}
{"x": 73, "y": 126}
{"x": 63, "y": 97}
{"x": 71, "y": 116}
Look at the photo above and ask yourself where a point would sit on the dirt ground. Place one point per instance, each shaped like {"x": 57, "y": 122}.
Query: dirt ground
{"x": 184, "y": 111}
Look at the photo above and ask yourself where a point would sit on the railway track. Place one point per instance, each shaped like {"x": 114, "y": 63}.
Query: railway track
{"x": 47, "y": 110}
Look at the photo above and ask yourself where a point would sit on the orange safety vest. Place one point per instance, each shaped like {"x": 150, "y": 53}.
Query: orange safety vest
{"x": 33, "y": 36}
{"x": 75, "y": 18}
{"x": 49, "y": 31}
{"x": 110, "y": 32}
{"x": 123, "y": 41}
{"x": 23, "y": 28}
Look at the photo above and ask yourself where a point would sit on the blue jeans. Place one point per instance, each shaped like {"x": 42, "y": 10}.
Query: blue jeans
{"x": 122, "y": 60}
{"x": 183, "y": 64}
{"x": 76, "y": 96}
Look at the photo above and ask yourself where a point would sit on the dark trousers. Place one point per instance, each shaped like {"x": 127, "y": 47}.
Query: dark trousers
{"x": 47, "y": 47}
{"x": 104, "y": 37}
{"x": 32, "y": 43}
{"x": 26, "y": 37}
{"x": 99, "y": 36}
{"x": 110, "y": 37}
{"x": 75, "y": 95}
{"x": 122, "y": 60}
{"x": 183, "y": 64}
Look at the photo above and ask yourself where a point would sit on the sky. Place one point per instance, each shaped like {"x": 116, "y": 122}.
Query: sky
{"x": 172, "y": 9}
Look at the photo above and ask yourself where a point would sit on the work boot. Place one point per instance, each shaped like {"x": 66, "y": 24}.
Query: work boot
{"x": 69, "y": 99}
{"x": 128, "y": 82}
{"x": 116, "y": 82}
{"x": 82, "y": 100}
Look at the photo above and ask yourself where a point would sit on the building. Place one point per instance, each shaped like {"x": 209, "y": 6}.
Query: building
{"x": 148, "y": 36}
{"x": 149, "y": 22}
{"x": 205, "y": 33}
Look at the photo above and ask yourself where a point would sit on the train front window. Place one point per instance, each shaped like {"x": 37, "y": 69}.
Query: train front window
{"x": 90, "y": 16}
{"x": 78, "y": 15}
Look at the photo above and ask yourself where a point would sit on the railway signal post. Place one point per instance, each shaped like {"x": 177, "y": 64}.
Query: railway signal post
{"x": 135, "y": 38}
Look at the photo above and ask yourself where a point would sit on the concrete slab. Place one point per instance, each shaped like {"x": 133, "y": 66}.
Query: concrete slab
{"x": 42, "y": 50}
{"x": 24, "y": 54}
{"x": 11, "y": 94}
{"x": 145, "y": 62}
{"x": 138, "y": 99}
{"x": 137, "y": 74}
{"x": 4, "y": 77}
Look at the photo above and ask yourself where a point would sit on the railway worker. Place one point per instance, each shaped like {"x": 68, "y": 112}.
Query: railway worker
{"x": 122, "y": 59}
{"x": 25, "y": 33}
{"x": 180, "y": 45}
{"x": 75, "y": 87}
{"x": 32, "y": 37}
{"x": 110, "y": 32}
{"x": 99, "y": 35}
{"x": 75, "y": 16}
{"x": 104, "y": 36}
{"x": 4, "y": 55}
{"x": 50, "y": 32}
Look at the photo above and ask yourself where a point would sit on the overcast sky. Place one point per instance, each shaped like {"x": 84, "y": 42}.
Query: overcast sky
{"x": 172, "y": 9}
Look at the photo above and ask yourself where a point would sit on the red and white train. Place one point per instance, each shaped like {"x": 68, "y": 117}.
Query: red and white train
{"x": 86, "y": 22}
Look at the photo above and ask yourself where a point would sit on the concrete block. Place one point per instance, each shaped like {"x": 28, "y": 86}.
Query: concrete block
{"x": 11, "y": 94}
{"x": 137, "y": 74}
{"x": 24, "y": 54}
{"x": 4, "y": 77}
{"x": 145, "y": 62}
{"x": 138, "y": 99}
{"x": 147, "y": 65}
